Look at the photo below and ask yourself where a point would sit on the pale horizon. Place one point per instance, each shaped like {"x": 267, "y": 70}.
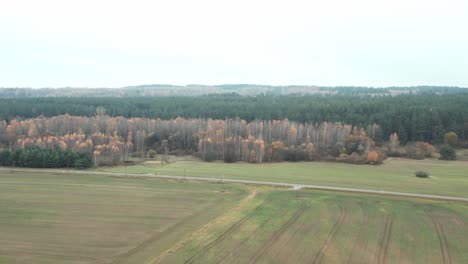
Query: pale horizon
{"x": 54, "y": 44}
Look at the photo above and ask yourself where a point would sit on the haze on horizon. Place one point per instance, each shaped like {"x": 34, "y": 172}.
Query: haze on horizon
{"x": 54, "y": 43}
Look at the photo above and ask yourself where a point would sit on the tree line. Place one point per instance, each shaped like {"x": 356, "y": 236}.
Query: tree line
{"x": 422, "y": 117}
{"x": 33, "y": 156}
{"x": 111, "y": 140}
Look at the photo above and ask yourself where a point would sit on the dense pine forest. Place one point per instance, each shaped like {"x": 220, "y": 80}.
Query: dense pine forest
{"x": 422, "y": 117}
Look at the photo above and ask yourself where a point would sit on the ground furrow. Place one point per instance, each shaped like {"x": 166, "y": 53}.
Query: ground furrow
{"x": 360, "y": 241}
{"x": 226, "y": 233}
{"x": 331, "y": 237}
{"x": 271, "y": 241}
{"x": 154, "y": 238}
{"x": 235, "y": 250}
{"x": 444, "y": 248}
{"x": 385, "y": 240}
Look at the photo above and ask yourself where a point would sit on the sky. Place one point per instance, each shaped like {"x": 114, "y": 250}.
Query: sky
{"x": 112, "y": 43}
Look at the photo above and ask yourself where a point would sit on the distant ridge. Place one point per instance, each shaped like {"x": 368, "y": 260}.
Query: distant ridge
{"x": 240, "y": 89}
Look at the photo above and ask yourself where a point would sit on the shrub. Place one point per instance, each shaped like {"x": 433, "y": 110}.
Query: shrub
{"x": 152, "y": 153}
{"x": 451, "y": 138}
{"x": 422, "y": 174}
{"x": 426, "y": 148}
{"x": 372, "y": 157}
{"x": 413, "y": 152}
{"x": 447, "y": 153}
{"x": 354, "y": 158}
{"x": 83, "y": 163}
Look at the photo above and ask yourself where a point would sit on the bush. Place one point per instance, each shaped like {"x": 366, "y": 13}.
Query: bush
{"x": 451, "y": 138}
{"x": 395, "y": 152}
{"x": 152, "y": 153}
{"x": 422, "y": 174}
{"x": 419, "y": 150}
{"x": 414, "y": 152}
{"x": 83, "y": 162}
{"x": 447, "y": 153}
{"x": 373, "y": 157}
{"x": 354, "y": 158}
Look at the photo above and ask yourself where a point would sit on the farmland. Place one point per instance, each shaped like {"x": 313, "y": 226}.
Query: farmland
{"x": 317, "y": 227}
{"x": 447, "y": 177}
{"x": 93, "y": 219}
{"x": 66, "y": 218}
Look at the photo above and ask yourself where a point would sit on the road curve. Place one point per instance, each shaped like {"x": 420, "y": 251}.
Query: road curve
{"x": 275, "y": 184}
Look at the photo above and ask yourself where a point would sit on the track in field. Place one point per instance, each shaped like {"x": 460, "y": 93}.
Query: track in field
{"x": 331, "y": 236}
{"x": 271, "y": 241}
{"x": 124, "y": 256}
{"x": 385, "y": 240}
{"x": 361, "y": 240}
{"x": 226, "y": 233}
{"x": 301, "y": 232}
{"x": 444, "y": 248}
{"x": 239, "y": 245}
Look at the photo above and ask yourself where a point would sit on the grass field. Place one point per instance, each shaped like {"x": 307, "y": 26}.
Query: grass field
{"x": 447, "y": 177}
{"x": 93, "y": 219}
{"x": 323, "y": 227}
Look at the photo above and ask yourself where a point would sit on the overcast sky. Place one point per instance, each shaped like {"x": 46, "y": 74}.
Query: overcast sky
{"x": 56, "y": 43}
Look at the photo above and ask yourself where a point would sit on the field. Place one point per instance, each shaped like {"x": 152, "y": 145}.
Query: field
{"x": 447, "y": 177}
{"x": 323, "y": 227}
{"x": 95, "y": 219}
{"x": 65, "y": 218}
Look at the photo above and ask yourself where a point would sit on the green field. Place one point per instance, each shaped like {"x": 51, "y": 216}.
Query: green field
{"x": 324, "y": 227}
{"x": 70, "y": 218}
{"x": 94, "y": 219}
{"x": 447, "y": 177}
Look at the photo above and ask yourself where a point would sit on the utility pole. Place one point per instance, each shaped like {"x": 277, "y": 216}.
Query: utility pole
{"x": 222, "y": 182}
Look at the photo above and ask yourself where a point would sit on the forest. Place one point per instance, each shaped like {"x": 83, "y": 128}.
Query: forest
{"x": 111, "y": 140}
{"x": 355, "y": 128}
{"x": 422, "y": 117}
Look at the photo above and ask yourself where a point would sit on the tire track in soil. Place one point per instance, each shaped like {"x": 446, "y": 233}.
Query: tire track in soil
{"x": 196, "y": 233}
{"x": 385, "y": 240}
{"x": 237, "y": 248}
{"x": 226, "y": 233}
{"x": 359, "y": 241}
{"x": 154, "y": 238}
{"x": 273, "y": 239}
{"x": 302, "y": 233}
{"x": 444, "y": 248}
{"x": 331, "y": 236}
